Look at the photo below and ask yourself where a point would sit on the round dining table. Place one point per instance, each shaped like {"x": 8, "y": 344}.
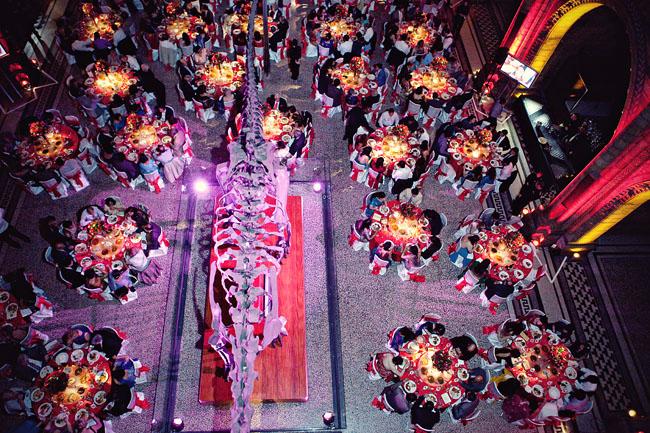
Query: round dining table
{"x": 433, "y": 80}
{"x": 220, "y": 73}
{"x": 469, "y": 149}
{"x": 433, "y": 371}
{"x": 511, "y": 256}
{"x": 101, "y": 245}
{"x": 142, "y": 135}
{"x": 278, "y": 126}
{"x": 87, "y": 373}
{"x": 93, "y": 22}
{"x": 108, "y": 81}
{"x": 394, "y": 144}
{"x": 10, "y": 314}
{"x": 546, "y": 367}
{"x": 415, "y": 32}
{"x": 401, "y": 223}
{"x": 47, "y": 143}
{"x": 339, "y": 27}
{"x": 356, "y": 75}
{"x": 176, "y": 25}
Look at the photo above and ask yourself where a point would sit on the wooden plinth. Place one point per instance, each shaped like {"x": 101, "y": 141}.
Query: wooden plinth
{"x": 282, "y": 370}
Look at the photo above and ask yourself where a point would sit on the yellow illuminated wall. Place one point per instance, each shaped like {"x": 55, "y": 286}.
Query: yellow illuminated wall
{"x": 557, "y": 32}
{"x": 613, "y": 218}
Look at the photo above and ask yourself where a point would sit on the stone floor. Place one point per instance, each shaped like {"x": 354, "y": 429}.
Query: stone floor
{"x": 369, "y": 306}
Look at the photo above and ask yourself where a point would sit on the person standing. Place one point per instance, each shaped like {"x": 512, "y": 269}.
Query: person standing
{"x": 7, "y": 231}
{"x": 294, "y": 54}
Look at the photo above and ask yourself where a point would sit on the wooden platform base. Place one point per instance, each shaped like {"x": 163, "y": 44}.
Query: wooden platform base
{"x": 282, "y": 370}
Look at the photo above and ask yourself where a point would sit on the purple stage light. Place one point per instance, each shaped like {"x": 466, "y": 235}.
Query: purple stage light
{"x": 177, "y": 424}
{"x": 317, "y": 186}
{"x": 200, "y": 186}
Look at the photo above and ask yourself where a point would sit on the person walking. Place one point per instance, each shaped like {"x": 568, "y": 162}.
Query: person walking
{"x": 294, "y": 54}
{"x": 7, "y": 231}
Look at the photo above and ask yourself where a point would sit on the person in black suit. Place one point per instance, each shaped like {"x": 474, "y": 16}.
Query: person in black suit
{"x": 122, "y": 164}
{"x": 186, "y": 88}
{"x": 355, "y": 118}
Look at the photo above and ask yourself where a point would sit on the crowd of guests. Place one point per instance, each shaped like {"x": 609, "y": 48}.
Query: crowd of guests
{"x": 412, "y": 258}
{"x": 21, "y": 363}
{"x": 489, "y": 380}
{"x": 64, "y": 174}
{"x": 118, "y": 284}
{"x": 518, "y": 405}
{"x": 389, "y": 366}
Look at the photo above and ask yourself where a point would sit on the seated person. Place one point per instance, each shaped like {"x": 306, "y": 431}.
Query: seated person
{"x": 124, "y": 372}
{"x": 90, "y": 214}
{"x": 466, "y": 407}
{"x": 464, "y": 347}
{"x": 424, "y": 416}
{"x": 107, "y": 341}
{"x": 477, "y": 381}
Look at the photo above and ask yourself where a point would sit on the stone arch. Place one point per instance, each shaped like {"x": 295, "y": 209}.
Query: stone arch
{"x": 615, "y": 211}
{"x": 634, "y": 15}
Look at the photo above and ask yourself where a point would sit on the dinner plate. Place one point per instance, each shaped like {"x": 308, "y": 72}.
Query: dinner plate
{"x": 434, "y": 340}
{"x": 363, "y": 91}
{"x": 61, "y": 419}
{"x": 44, "y": 410}
{"x": 469, "y": 133}
{"x": 37, "y": 395}
{"x": 457, "y": 156}
{"x": 117, "y": 265}
{"x": 538, "y": 391}
{"x": 371, "y": 76}
{"x": 423, "y": 221}
{"x": 463, "y": 374}
{"x": 61, "y": 358}
{"x": 409, "y": 386}
{"x": 77, "y": 355}
{"x": 571, "y": 373}
{"x": 101, "y": 376}
{"x": 4, "y": 297}
{"x": 136, "y": 239}
{"x": 81, "y": 413}
{"x": 166, "y": 139}
{"x": 410, "y": 162}
{"x": 455, "y": 393}
{"x": 133, "y": 81}
{"x": 48, "y": 370}
{"x": 423, "y": 238}
{"x": 445, "y": 95}
{"x": 100, "y": 398}
{"x": 286, "y": 128}
{"x": 82, "y": 235}
{"x": 526, "y": 249}
{"x": 413, "y": 347}
{"x": 117, "y": 140}
{"x": 93, "y": 356}
{"x": 415, "y": 152}
{"x": 111, "y": 219}
{"x": 518, "y": 274}
{"x": 100, "y": 267}
{"x": 89, "y": 81}
{"x": 133, "y": 157}
{"x": 11, "y": 311}
{"x": 527, "y": 263}
{"x": 384, "y": 209}
{"x": 553, "y": 339}
{"x": 523, "y": 379}
{"x": 86, "y": 261}
{"x": 372, "y": 85}
{"x": 432, "y": 398}
{"x": 494, "y": 163}
{"x": 566, "y": 387}
{"x": 482, "y": 236}
{"x": 503, "y": 275}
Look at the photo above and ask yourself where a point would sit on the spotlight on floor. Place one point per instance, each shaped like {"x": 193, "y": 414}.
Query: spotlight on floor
{"x": 200, "y": 186}
{"x": 177, "y": 424}
{"x": 328, "y": 419}
{"x": 317, "y": 186}
{"x": 632, "y": 413}
{"x": 576, "y": 255}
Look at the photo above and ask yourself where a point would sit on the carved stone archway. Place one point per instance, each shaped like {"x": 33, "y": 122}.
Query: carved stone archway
{"x": 625, "y": 160}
